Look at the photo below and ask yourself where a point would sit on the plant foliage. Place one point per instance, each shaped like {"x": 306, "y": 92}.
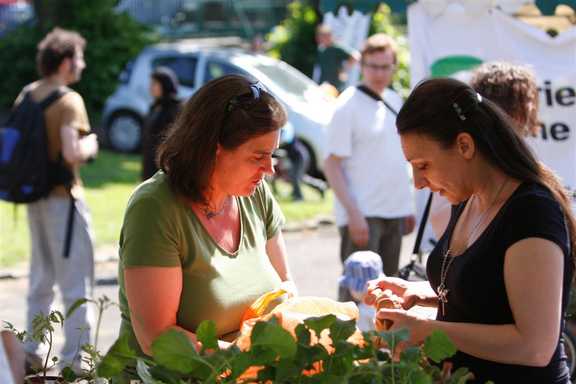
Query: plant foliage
{"x": 275, "y": 356}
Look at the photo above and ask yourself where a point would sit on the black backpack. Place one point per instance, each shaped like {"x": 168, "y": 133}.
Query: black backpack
{"x": 26, "y": 174}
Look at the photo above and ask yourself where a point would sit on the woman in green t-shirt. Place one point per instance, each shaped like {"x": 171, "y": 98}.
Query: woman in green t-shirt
{"x": 201, "y": 239}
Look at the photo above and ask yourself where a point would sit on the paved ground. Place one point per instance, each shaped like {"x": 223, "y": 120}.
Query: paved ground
{"x": 313, "y": 258}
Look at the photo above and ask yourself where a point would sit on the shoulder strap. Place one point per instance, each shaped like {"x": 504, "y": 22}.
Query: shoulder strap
{"x": 51, "y": 98}
{"x": 422, "y": 225}
{"x": 373, "y": 95}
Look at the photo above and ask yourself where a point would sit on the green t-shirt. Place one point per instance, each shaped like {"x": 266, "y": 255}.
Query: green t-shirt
{"x": 159, "y": 230}
{"x": 331, "y": 61}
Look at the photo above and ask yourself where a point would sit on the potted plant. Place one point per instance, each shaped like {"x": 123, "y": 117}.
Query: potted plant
{"x": 43, "y": 333}
{"x": 43, "y": 327}
{"x": 278, "y": 356}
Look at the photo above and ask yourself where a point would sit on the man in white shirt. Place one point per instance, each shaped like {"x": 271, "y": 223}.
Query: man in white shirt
{"x": 365, "y": 165}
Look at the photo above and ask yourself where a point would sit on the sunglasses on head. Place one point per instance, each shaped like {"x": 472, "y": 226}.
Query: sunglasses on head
{"x": 246, "y": 99}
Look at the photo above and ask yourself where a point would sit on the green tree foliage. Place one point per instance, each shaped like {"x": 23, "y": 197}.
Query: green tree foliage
{"x": 293, "y": 40}
{"x": 112, "y": 40}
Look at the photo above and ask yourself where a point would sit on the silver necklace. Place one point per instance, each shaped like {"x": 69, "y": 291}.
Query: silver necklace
{"x": 447, "y": 259}
{"x": 210, "y": 214}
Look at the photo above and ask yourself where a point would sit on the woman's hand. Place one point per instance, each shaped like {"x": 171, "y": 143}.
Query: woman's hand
{"x": 289, "y": 287}
{"x": 400, "y": 318}
{"x": 411, "y": 293}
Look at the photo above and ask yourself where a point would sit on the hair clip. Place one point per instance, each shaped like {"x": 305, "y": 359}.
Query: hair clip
{"x": 478, "y": 97}
{"x": 458, "y": 110}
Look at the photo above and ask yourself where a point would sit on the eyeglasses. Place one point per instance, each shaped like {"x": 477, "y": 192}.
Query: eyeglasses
{"x": 376, "y": 67}
{"x": 245, "y": 99}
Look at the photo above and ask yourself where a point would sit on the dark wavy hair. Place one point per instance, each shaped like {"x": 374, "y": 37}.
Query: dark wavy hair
{"x": 57, "y": 45}
{"x": 443, "y": 108}
{"x": 513, "y": 88}
{"x": 223, "y": 112}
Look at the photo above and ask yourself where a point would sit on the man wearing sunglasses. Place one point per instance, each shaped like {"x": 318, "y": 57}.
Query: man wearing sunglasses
{"x": 365, "y": 165}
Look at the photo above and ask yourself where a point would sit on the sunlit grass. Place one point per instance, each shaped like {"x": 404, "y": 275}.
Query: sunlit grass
{"x": 109, "y": 181}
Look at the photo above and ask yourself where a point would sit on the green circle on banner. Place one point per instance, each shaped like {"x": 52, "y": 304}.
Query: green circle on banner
{"x": 449, "y": 65}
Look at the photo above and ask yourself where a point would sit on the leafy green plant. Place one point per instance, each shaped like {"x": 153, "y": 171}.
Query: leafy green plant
{"x": 43, "y": 333}
{"x": 92, "y": 355}
{"x": 43, "y": 328}
{"x": 276, "y": 356}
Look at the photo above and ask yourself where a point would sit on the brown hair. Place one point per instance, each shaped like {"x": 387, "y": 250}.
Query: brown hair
{"x": 514, "y": 89}
{"x": 57, "y": 45}
{"x": 379, "y": 42}
{"x": 223, "y": 112}
{"x": 443, "y": 108}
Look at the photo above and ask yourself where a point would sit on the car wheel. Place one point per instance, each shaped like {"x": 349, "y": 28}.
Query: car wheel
{"x": 125, "y": 132}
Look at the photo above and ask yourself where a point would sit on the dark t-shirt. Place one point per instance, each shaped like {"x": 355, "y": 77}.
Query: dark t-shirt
{"x": 477, "y": 291}
{"x": 331, "y": 61}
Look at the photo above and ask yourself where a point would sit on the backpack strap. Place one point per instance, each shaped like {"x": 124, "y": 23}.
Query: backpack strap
{"x": 373, "y": 95}
{"x": 49, "y": 100}
{"x": 69, "y": 227}
{"x": 52, "y": 97}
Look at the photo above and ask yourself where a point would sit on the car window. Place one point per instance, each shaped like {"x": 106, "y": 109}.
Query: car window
{"x": 286, "y": 78}
{"x": 216, "y": 69}
{"x": 183, "y": 66}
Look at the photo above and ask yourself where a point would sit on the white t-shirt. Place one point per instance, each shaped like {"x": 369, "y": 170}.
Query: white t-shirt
{"x": 363, "y": 132}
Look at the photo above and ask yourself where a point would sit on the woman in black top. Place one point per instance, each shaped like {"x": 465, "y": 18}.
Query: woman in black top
{"x": 162, "y": 113}
{"x": 500, "y": 274}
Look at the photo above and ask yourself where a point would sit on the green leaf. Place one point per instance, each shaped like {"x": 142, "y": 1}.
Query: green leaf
{"x": 272, "y": 336}
{"x": 461, "y": 376}
{"x": 118, "y": 357}
{"x": 173, "y": 350}
{"x": 239, "y": 363}
{"x": 318, "y": 324}
{"x": 75, "y": 306}
{"x": 419, "y": 377}
{"x": 206, "y": 334}
{"x": 392, "y": 338}
{"x": 342, "y": 330}
{"x": 302, "y": 335}
{"x": 68, "y": 374}
{"x": 56, "y": 317}
{"x": 287, "y": 371}
{"x": 438, "y": 346}
{"x": 411, "y": 355}
{"x": 143, "y": 372}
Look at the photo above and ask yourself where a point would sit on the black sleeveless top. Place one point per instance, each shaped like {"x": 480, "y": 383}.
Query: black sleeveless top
{"x": 477, "y": 293}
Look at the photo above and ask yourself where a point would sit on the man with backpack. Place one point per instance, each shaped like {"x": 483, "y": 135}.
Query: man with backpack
{"x": 365, "y": 165}
{"x": 59, "y": 220}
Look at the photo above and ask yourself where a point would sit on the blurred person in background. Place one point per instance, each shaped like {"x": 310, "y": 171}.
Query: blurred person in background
{"x": 333, "y": 61}
{"x": 365, "y": 167}
{"x": 162, "y": 113}
{"x": 60, "y": 61}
